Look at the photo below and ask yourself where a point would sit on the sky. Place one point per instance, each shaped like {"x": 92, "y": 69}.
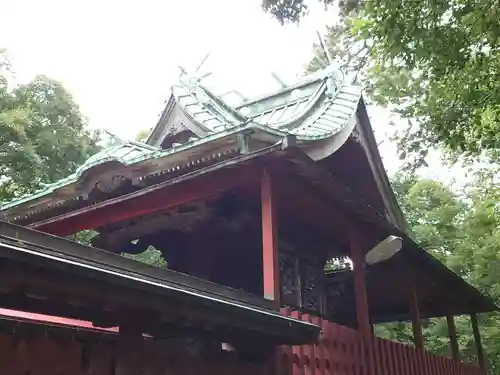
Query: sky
{"x": 119, "y": 58}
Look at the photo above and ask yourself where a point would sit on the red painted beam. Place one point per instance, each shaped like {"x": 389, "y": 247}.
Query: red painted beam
{"x": 148, "y": 200}
{"x": 270, "y": 260}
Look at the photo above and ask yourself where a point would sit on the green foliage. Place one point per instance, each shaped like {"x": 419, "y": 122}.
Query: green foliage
{"x": 294, "y": 10}
{"x": 463, "y": 231}
{"x": 285, "y": 10}
{"x": 435, "y": 62}
{"x": 351, "y": 54}
{"x": 151, "y": 256}
{"x": 142, "y": 135}
{"x": 438, "y": 62}
{"x": 83, "y": 237}
{"x": 43, "y": 136}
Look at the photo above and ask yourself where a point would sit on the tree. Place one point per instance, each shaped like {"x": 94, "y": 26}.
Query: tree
{"x": 151, "y": 256}
{"x": 462, "y": 229}
{"x": 142, "y": 135}
{"x": 43, "y": 135}
{"x": 436, "y": 62}
{"x": 294, "y": 10}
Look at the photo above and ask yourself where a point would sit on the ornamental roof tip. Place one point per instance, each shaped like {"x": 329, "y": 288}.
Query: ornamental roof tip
{"x": 316, "y": 107}
{"x": 117, "y": 149}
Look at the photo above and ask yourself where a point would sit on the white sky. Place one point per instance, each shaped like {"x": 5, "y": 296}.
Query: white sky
{"x": 119, "y": 58}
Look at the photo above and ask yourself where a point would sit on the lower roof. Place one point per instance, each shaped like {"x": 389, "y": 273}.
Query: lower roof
{"x": 50, "y": 275}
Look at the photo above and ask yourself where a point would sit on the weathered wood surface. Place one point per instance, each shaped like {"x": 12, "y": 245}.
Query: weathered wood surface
{"x": 339, "y": 352}
{"x": 47, "y": 356}
{"x": 54, "y": 245}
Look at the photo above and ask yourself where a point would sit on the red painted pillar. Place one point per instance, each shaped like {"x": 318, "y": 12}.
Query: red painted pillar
{"x": 477, "y": 340}
{"x": 416, "y": 323}
{"x": 270, "y": 260}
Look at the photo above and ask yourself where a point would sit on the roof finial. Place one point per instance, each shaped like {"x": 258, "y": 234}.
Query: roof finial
{"x": 323, "y": 47}
{"x": 278, "y": 79}
{"x": 192, "y": 80}
{"x": 202, "y": 62}
{"x": 112, "y": 139}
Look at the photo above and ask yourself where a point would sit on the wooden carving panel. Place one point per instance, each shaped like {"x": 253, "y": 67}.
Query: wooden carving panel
{"x": 311, "y": 277}
{"x": 289, "y": 279}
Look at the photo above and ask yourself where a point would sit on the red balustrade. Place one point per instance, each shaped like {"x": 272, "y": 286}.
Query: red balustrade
{"x": 340, "y": 351}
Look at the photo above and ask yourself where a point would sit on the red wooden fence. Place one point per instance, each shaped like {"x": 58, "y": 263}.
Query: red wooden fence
{"x": 340, "y": 351}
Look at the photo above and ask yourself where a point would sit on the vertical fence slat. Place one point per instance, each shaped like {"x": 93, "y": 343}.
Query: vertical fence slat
{"x": 298, "y": 360}
{"x": 341, "y": 351}
{"x": 309, "y": 359}
{"x": 319, "y": 348}
{"x": 286, "y": 352}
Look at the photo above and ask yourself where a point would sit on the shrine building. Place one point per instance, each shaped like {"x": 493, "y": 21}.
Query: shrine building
{"x": 281, "y": 240}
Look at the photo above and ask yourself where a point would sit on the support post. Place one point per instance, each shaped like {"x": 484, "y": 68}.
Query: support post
{"x": 270, "y": 260}
{"x": 365, "y": 328}
{"x": 362, "y": 309}
{"x": 129, "y": 359}
{"x": 452, "y": 333}
{"x": 477, "y": 339}
{"x": 416, "y": 323}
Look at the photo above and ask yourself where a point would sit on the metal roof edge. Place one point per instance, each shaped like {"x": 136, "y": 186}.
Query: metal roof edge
{"x": 75, "y": 177}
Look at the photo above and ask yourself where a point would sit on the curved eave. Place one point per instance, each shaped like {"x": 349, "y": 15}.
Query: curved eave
{"x": 321, "y": 118}
{"x": 155, "y": 163}
{"x": 197, "y": 112}
{"x": 331, "y": 116}
{"x": 298, "y": 115}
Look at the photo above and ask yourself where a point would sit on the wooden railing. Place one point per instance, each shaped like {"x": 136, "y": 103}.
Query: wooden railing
{"x": 341, "y": 351}
{"x": 393, "y": 358}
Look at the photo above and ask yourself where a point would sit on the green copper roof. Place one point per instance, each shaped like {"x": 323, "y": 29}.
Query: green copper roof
{"x": 124, "y": 152}
{"x": 315, "y": 108}
{"x": 318, "y": 107}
